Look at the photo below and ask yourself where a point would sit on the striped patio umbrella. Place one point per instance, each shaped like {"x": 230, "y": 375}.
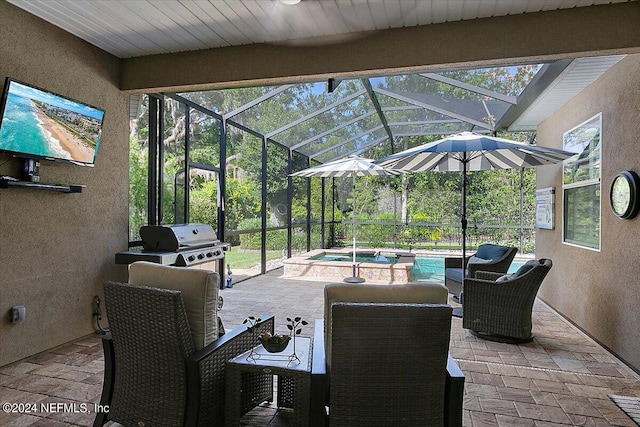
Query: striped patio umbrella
{"x": 468, "y": 151}
{"x": 350, "y": 166}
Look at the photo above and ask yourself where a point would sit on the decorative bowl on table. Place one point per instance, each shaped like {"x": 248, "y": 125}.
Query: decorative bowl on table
{"x": 274, "y": 343}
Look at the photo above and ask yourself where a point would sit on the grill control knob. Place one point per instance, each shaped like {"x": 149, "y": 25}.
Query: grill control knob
{"x": 200, "y": 256}
{"x": 209, "y": 254}
{"x": 191, "y": 258}
{"x": 217, "y": 253}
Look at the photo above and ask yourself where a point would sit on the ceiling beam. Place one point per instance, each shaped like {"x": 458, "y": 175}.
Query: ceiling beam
{"x": 470, "y": 87}
{"x": 425, "y": 122}
{"x": 256, "y": 101}
{"x": 410, "y": 100}
{"x": 332, "y": 130}
{"x": 315, "y": 113}
{"x": 359, "y": 149}
{"x": 353, "y": 138}
{"x": 381, "y": 115}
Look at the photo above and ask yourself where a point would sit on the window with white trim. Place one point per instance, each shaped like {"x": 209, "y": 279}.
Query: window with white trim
{"x": 581, "y": 184}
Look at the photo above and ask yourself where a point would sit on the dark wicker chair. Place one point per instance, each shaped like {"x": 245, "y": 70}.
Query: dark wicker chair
{"x": 389, "y": 366}
{"x": 501, "y": 311}
{"x": 453, "y": 266}
{"x": 154, "y": 376}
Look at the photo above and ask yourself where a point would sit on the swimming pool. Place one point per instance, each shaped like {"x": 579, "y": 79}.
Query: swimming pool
{"x": 396, "y": 267}
{"x": 432, "y": 268}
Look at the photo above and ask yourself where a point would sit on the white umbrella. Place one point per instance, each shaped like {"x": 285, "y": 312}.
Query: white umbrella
{"x": 468, "y": 151}
{"x": 351, "y": 166}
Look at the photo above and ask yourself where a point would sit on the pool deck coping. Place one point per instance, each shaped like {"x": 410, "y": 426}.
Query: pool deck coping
{"x": 401, "y": 269}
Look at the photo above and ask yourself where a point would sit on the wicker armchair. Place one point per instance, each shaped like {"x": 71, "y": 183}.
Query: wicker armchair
{"x": 154, "y": 376}
{"x": 501, "y": 310}
{"x": 390, "y": 365}
{"x": 499, "y": 264}
{"x": 415, "y": 292}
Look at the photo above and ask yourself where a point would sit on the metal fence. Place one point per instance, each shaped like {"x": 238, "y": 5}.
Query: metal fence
{"x": 437, "y": 236}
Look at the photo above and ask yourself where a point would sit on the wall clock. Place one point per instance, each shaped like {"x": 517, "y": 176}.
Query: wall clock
{"x": 624, "y": 195}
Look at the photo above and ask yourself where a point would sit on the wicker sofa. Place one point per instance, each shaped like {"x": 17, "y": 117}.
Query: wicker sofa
{"x": 489, "y": 257}
{"x": 164, "y": 360}
{"x": 381, "y": 353}
{"x": 500, "y": 309}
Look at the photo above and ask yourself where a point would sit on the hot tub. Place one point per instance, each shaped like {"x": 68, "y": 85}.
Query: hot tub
{"x": 375, "y": 266}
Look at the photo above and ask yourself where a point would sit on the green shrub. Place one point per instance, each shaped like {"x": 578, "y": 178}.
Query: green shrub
{"x": 276, "y": 239}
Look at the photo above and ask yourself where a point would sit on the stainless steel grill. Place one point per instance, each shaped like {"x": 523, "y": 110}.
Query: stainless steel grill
{"x": 181, "y": 245}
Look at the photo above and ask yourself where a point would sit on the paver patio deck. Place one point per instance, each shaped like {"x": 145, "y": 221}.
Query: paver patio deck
{"x": 561, "y": 378}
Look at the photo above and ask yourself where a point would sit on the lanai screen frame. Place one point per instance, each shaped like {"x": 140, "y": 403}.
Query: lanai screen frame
{"x": 543, "y": 77}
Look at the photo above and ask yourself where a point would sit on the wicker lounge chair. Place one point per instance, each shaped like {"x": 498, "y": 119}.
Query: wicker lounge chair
{"x": 155, "y": 375}
{"x": 390, "y": 366}
{"x": 501, "y": 310}
{"x": 491, "y": 258}
{"x": 386, "y": 357}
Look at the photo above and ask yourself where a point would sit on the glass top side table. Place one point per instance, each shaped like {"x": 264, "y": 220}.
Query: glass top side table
{"x": 294, "y": 379}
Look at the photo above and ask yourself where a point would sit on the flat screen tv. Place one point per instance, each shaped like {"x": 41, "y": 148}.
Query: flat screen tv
{"x": 38, "y": 124}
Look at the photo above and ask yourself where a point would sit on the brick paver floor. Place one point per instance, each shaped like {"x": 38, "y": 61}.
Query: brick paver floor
{"x": 561, "y": 378}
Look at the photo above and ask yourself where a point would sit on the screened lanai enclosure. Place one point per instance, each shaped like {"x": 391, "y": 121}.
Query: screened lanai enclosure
{"x": 224, "y": 157}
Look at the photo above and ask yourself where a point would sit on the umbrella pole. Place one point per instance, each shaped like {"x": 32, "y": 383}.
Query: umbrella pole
{"x": 463, "y": 222}
{"x": 521, "y": 206}
{"x": 354, "y": 278}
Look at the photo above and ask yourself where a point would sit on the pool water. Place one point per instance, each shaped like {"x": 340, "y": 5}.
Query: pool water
{"x": 348, "y": 257}
{"x": 432, "y": 268}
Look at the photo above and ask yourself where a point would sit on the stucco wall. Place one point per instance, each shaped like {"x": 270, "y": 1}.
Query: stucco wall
{"x": 56, "y": 249}
{"x": 598, "y": 290}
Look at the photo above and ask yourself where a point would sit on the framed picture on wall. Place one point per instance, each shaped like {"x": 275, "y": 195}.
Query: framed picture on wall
{"x": 545, "y": 208}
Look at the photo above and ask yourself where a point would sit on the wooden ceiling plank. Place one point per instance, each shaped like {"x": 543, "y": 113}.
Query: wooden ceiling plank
{"x": 204, "y": 10}
{"x": 217, "y": 22}
{"x": 314, "y": 18}
{"x": 408, "y": 13}
{"x": 379, "y": 15}
{"x": 350, "y": 16}
{"x": 363, "y": 13}
{"x": 193, "y": 24}
{"x": 279, "y": 18}
{"x": 79, "y": 22}
{"x": 335, "y": 19}
{"x": 161, "y": 17}
{"x": 240, "y": 19}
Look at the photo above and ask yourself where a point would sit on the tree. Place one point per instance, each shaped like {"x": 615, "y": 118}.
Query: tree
{"x": 296, "y": 116}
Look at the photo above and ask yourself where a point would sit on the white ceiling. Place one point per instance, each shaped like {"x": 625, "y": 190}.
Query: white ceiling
{"x": 577, "y": 76}
{"x": 129, "y": 28}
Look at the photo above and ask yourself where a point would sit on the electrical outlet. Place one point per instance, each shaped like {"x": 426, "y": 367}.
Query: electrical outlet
{"x": 96, "y": 310}
{"x": 18, "y": 313}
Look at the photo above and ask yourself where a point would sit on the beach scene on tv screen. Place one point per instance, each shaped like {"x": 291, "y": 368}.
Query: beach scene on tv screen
{"x": 43, "y": 124}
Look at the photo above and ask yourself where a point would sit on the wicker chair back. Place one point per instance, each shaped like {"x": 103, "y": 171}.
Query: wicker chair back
{"x": 389, "y": 364}
{"x": 152, "y": 340}
{"x": 155, "y": 376}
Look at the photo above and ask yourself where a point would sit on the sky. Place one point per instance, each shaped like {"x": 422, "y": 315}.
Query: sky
{"x": 56, "y": 100}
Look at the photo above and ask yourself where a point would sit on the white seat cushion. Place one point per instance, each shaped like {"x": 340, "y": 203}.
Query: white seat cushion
{"x": 199, "y": 292}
